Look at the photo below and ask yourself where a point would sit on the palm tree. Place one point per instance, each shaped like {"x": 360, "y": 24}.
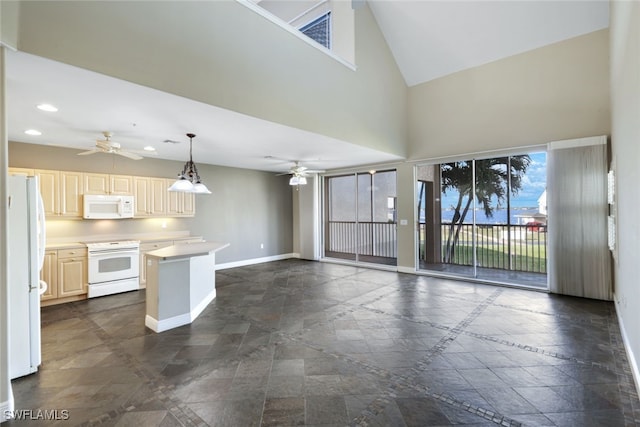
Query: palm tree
{"x": 491, "y": 180}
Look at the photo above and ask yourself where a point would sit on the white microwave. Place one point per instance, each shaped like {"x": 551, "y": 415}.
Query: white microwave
{"x": 107, "y": 207}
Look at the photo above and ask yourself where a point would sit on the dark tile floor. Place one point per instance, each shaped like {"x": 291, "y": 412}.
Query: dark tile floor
{"x": 306, "y": 343}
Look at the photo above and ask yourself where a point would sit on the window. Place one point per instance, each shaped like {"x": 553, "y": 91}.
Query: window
{"x": 319, "y": 30}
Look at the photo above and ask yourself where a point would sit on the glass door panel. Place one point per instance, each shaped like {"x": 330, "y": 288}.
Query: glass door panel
{"x": 484, "y": 218}
{"x": 341, "y": 238}
{"x": 360, "y": 217}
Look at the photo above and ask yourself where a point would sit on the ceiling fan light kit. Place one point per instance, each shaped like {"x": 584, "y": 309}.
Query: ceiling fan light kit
{"x": 298, "y": 180}
{"x": 188, "y": 179}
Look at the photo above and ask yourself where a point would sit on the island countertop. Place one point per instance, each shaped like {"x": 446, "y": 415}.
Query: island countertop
{"x": 187, "y": 250}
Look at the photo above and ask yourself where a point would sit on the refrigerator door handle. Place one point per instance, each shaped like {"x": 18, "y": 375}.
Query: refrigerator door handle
{"x": 42, "y": 238}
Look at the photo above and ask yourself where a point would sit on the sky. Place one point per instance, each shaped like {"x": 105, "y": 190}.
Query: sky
{"x": 534, "y": 183}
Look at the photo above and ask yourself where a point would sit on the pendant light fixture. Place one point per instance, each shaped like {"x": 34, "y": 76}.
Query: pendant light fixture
{"x": 188, "y": 180}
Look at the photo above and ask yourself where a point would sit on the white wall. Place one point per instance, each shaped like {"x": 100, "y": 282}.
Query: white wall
{"x": 625, "y": 142}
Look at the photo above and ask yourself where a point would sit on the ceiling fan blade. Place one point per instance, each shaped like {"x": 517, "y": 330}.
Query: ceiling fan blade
{"x": 86, "y": 153}
{"x": 129, "y": 155}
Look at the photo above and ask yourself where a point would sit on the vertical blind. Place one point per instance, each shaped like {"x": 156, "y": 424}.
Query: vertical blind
{"x": 579, "y": 258}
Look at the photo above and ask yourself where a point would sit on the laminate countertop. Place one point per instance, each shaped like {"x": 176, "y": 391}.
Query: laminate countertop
{"x": 187, "y": 251}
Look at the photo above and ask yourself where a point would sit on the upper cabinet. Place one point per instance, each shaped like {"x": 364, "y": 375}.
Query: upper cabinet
{"x": 49, "y": 182}
{"x": 150, "y": 196}
{"x": 62, "y": 192}
{"x": 121, "y": 184}
{"x": 180, "y": 204}
{"x": 102, "y": 183}
{"x": 71, "y": 190}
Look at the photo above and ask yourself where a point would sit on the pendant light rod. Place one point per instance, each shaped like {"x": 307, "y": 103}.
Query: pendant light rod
{"x": 189, "y": 179}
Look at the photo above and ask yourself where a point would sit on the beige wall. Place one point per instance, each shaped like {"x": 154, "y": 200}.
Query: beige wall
{"x": 552, "y": 93}
{"x": 224, "y": 54}
{"x": 625, "y": 143}
{"x": 9, "y": 13}
{"x": 247, "y": 208}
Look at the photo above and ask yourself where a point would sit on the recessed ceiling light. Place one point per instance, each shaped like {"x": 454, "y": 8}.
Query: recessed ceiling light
{"x": 48, "y": 107}
{"x": 149, "y": 148}
{"x": 33, "y": 132}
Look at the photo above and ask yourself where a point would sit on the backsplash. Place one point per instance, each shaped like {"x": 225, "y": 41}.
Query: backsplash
{"x": 61, "y": 231}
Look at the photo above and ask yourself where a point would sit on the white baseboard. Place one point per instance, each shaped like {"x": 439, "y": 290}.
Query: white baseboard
{"x": 183, "y": 319}
{"x": 408, "y": 270}
{"x": 633, "y": 362}
{"x": 252, "y": 261}
{"x": 6, "y": 409}
{"x": 195, "y": 312}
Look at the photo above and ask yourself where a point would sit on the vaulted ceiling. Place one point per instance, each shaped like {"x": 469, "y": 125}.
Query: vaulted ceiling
{"x": 428, "y": 39}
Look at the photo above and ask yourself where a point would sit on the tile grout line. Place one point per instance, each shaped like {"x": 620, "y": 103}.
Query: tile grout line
{"x": 184, "y": 415}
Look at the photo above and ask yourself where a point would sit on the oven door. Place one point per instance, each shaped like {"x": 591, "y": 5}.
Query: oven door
{"x": 110, "y": 265}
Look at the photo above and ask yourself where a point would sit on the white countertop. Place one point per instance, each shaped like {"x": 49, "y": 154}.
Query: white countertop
{"x": 187, "y": 250}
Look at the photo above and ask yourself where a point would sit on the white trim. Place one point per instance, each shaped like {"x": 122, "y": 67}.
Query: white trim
{"x": 578, "y": 142}
{"x": 180, "y": 320}
{"x": 479, "y": 155}
{"x": 311, "y": 9}
{"x": 633, "y": 362}
{"x": 166, "y": 324}
{"x": 282, "y": 24}
{"x": 7, "y": 408}
{"x": 252, "y": 261}
{"x": 195, "y": 311}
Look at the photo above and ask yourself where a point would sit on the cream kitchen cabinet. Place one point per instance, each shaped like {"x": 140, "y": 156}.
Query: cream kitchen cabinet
{"x": 70, "y": 192}
{"x": 49, "y": 274}
{"x": 61, "y": 192}
{"x": 65, "y": 271}
{"x": 121, "y": 184}
{"x": 72, "y": 272}
{"x": 144, "y": 248}
{"x": 102, "y": 183}
{"x": 150, "y": 196}
{"x": 49, "y": 182}
{"x": 180, "y": 204}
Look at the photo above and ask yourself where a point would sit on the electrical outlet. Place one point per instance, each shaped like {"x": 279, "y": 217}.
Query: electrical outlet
{"x": 261, "y": 245}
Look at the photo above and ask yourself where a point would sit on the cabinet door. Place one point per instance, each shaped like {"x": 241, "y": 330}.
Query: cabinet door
{"x": 121, "y": 184}
{"x": 72, "y": 276}
{"x": 49, "y": 274}
{"x": 189, "y": 204}
{"x": 141, "y": 196}
{"x": 96, "y": 183}
{"x": 49, "y": 182}
{"x": 71, "y": 189}
{"x": 180, "y": 204}
{"x": 158, "y": 191}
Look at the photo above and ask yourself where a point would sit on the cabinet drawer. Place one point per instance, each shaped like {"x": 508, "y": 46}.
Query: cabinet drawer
{"x": 71, "y": 253}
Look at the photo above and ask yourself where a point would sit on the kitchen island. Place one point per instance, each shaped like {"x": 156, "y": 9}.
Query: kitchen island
{"x": 180, "y": 283}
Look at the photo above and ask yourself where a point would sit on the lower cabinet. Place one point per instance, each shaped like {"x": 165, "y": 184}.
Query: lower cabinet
{"x": 65, "y": 272}
{"x": 49, "y": 274}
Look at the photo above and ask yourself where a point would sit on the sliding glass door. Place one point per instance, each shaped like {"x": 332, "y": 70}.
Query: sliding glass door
{"x": 360, "y": 217}
{"x": 484, "y": 219}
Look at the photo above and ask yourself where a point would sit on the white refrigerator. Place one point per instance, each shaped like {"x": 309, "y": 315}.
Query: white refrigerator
{"x": 26, "y": 234}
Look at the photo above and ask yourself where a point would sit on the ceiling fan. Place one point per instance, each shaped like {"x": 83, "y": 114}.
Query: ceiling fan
{"x": 299, "y": 173}
{"x": 108, "y": 146}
